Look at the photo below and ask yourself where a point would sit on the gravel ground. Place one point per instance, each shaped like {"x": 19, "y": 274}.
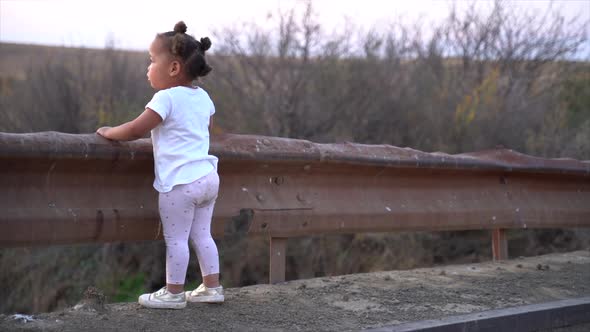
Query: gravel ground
{"x": 350, "y": 302}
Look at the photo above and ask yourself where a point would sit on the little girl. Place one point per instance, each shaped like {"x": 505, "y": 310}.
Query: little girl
{"x": 178, "y": 117}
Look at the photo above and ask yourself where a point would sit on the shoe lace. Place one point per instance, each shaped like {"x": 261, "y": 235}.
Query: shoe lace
{"x": 161, "y": 291}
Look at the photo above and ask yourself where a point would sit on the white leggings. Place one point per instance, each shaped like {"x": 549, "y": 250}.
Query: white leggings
{"x": 186, "y": 213}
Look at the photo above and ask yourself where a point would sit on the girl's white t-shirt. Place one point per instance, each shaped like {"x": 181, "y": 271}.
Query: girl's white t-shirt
{"x": 181, "y": 141}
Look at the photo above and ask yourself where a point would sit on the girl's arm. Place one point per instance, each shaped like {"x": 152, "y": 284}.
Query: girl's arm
{"x": 134, "y": 129}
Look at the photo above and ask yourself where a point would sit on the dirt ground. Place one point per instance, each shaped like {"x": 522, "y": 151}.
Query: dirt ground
{"x": 350, "y": 302}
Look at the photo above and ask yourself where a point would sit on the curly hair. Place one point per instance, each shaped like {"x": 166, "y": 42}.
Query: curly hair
{"x": 187, "y": 48}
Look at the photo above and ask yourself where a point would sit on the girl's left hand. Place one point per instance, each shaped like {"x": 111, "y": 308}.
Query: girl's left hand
{"x": 103, "y": 131}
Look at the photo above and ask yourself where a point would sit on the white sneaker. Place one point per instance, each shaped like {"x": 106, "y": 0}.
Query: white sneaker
{"x": 206, "y": 294}
{"x": 163, "y": 299}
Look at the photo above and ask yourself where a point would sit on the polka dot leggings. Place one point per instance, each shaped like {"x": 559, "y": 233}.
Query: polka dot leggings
{"x": 186, "y": 213}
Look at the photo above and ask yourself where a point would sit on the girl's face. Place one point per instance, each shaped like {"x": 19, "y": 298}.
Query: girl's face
{"x": 163, "y": 69}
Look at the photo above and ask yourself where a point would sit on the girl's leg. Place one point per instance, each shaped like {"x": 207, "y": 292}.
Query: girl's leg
{"x": 205, "y": 246}
{"x": 176, "y": 213}
{"x": 200, "y": 233}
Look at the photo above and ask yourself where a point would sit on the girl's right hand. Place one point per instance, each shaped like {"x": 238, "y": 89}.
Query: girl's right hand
{"x": 102, "y": 131}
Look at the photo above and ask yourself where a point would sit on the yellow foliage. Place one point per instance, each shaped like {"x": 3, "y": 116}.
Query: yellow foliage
{"x": 483, "y": 95}
{"x": 104, "y": 118}
{"x": 6, "y": 89}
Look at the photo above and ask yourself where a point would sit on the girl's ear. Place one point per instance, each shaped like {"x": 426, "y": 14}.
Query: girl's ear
{"x": 174, "y": 68}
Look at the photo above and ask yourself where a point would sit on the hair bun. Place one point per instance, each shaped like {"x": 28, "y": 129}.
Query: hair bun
{"x": 205, "y": 43}
{"x": 180, "y": 27}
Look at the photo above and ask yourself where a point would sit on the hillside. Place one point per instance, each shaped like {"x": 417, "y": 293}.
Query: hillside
{"x": 349, "y": 302}
{"x": 16, "y": 59}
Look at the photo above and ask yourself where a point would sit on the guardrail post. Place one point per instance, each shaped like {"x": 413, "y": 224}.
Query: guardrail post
{"x": 278, "y": 257}
{"x": 499, "y": 244}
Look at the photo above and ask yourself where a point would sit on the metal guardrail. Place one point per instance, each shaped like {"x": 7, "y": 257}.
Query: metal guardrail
{"x": 61, "y": 188}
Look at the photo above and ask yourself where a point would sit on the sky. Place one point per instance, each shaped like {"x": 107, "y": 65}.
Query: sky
{"x": 133, "y": 24}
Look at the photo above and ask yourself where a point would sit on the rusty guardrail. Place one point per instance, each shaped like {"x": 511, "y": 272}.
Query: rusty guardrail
{"x": 60, "y": 188}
